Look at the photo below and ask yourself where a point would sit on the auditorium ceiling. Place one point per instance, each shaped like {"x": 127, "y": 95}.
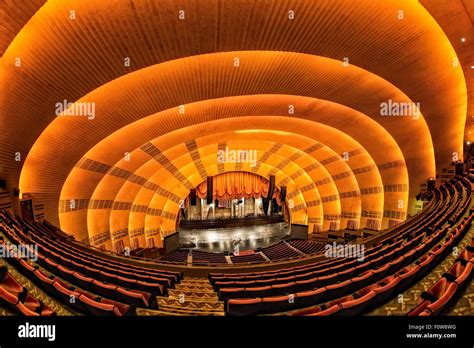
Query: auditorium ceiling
{"x": 161, "y": 86}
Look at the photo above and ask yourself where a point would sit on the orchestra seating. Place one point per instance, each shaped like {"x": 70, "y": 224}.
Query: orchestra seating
{"x": 251, "y": 258}
{"x": 179, "y": 256}
{"x": 203, "y": 257}
{"x": 281, "y": 250}
{"x": 306, "y": 246}
{"x": 291, "y": 249}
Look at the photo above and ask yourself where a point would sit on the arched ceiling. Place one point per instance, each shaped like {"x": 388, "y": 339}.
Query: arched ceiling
{"x": 14, "y": 15}
{"x": 354, "y": 123}
{"x": 228, "y": 72}
{"x": 456, "y": 18}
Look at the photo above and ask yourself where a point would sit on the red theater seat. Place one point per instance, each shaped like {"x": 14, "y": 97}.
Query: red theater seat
{"x": 65, "y": 294}
{"x": 8, "y": 297}
{"x": 98, "y": 308}
{"x": 361, "y": 281}
{"x": 467, "y": 255}
{"x": 82, "y": 281}
{"x": 13, "y": 287}
{"x": 32, "y": 303}
{"x": 24, "y": 310}
{"x": 103, "y": 289}
{"x": 277, "y": 303}
{"x": 27, "y": 266}
{"x": 387, "y": 287}
{"x": 358, "y": 305}
{"x": 461, "y": 273}
{"x": 330, "y": 311}
{"x": 310, "y": 298}
{"x": 240, "y": 307}
{"x": 441, "y": 304}
{"x": 227, "y": 293}
{"x": 139, "y": 298}
{"x": 120, "y": 309}
{"x": 258, "y": 292}
{"x": 306, "y": 311}
{"x": 338, "y": 289}
{"x": 66, "y": 273}
{"x": 45, "y": 282}
{"x": 304, "y": 285}
{"x": 281, "y": 289}
{"x": 91, "y": 272}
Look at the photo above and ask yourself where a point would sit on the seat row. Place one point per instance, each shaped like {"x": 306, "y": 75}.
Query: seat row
{"x": 280, "y": 251}
{"x": 323, "y": 268}
{"x": 65, "y": 244}
{"x": 110, "y": 293}
{"x": 235, "y": 306}
{"x": 345, "y": 302}
{"x": 455, "y": 191}
{"x": 358, "y": 275}
{"x": 92, "y": 267}
{"x": 375, "y": 295}
{"x": 16, "y": 297}
{"x": 81, "y": 300}
{"x": 295, "y": 270}
{"x": 103, "y": 282}
{"x": 203, "y": 257}
{"x": 178, "y": 256}
{"x": 437, "y": 299}
{"x": 120, "y": 293}
{"x": 311, "y": 297}
{"x": 307, "y": 246}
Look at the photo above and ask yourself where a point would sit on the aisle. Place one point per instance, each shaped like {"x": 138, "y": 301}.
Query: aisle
{"x": 192, "y": 297}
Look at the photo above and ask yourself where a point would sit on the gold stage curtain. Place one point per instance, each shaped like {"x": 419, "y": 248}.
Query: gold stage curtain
{"x": 235, "y": 185}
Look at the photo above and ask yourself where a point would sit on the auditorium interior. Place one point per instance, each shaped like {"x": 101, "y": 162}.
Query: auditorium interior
{"x": 236, "y": 158}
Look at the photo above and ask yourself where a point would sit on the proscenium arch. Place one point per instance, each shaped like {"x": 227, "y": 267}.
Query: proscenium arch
{"x": 143, "y": 197}
{"x": 300, "y": 215}
{"x": 127, "y": 186}
{"x": 159, "y": 175}
{"x": 264, "y": 168}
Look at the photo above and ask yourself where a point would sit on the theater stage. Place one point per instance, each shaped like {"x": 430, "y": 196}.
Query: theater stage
{"x": 221, "y": 239}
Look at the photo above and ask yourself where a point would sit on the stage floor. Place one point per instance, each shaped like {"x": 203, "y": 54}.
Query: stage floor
{"x": 220, "y": 239}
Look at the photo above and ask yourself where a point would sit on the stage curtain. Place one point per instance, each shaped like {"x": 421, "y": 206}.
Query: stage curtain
{"x": 236, "y": 185}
